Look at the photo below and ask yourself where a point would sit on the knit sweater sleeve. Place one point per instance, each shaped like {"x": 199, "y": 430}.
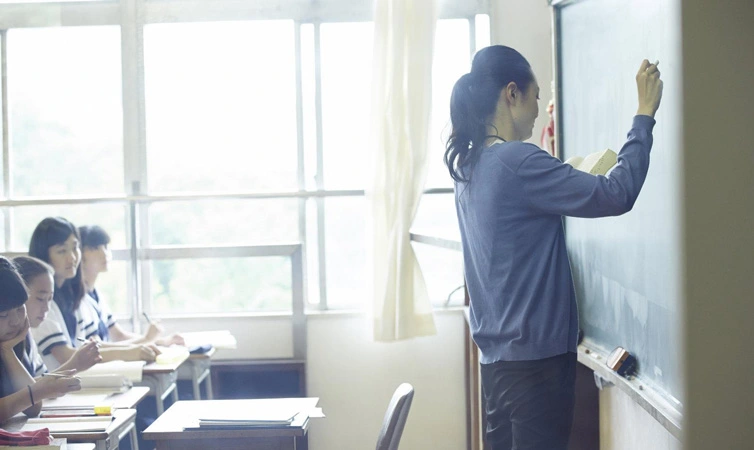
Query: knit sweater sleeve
{"x": 553, "y": 187}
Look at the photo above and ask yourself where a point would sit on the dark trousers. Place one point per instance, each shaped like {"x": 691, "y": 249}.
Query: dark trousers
{"x": 529, "y": 404}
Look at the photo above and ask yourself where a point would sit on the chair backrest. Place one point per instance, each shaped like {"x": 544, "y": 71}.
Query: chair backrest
{"x": 395, "y": 418}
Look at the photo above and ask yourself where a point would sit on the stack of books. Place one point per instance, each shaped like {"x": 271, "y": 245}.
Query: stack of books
{"x": 248, "y": 419}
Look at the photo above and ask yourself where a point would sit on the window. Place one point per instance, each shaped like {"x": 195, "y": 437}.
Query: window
{"x": 227, "y": 285}
{"x": 237, "y": 133}
{"x": 220, "y": 107}
{"x": 65, "y": 111}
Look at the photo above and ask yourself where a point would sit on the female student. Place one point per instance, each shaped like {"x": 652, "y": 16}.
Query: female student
{"x": 19, "y": 391}
{"x": 38, "y": 278}
{"x": 510, "y": 199}
{"x": 56, "y": 242}
{"x": 96, "y": 257}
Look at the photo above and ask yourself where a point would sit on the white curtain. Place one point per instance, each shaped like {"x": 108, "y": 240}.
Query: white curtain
{"x": 401, "y": 103}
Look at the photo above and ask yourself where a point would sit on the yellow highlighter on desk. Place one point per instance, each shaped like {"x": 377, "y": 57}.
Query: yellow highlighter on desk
{"x": 76, "y": 411}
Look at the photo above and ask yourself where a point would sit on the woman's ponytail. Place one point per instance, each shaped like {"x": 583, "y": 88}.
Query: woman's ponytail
{"x": 473, "y": 103}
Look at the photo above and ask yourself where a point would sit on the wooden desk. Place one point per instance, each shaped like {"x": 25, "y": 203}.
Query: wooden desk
{"x": 123, "y": 423}
{"x": 168, "y": 429}
{"x": 160, "y": 379}
{"x": 197, "y": 369}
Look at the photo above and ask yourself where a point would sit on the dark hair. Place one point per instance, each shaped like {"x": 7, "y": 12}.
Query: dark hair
{"x": 55, "y": 231}
{"x": 13, "y": 292}
{"x": 473, "y": 103}
{"x": 30, "y": 267}
{"x": 92, "y": 236}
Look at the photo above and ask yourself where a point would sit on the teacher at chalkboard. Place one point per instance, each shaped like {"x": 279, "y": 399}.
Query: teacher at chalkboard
{"x": 510, "y": 198}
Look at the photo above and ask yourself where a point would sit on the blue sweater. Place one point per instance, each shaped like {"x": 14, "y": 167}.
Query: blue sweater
{"x": 523, "y": 304}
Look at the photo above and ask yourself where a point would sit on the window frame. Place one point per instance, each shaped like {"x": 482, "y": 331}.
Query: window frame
{"x": 132, "y": 16}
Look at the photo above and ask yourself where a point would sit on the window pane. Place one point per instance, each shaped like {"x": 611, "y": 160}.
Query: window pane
{"x": 66, "y": 125}
{"x": 437, "y": 216}
{"x": 225, "y": 285}
{"x": 2, "y": 162}
{"x": 345, "y": 252}
{"x": 312, "y": 252}
{"x": 112, "y": 288}
{"x": 443, "y": 272}
{"x": 221, "y": 106}
{"x": 482, "y": 28}
{"x": 50, "y": 1}
{"x": 111, "y": 217}
{"x": 3, "y": 245}
{"x": 346, "y": 101}
{"x": 224, "y": 222}
{"x": 451, "y": 60}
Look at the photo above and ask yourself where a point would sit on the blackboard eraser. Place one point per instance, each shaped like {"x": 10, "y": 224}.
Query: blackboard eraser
{"x": 621, "y": 361}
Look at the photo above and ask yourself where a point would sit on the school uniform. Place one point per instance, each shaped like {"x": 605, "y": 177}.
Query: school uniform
{"x": 105, "y": 317}
{"x": 26, "y": 352}
{"x": 523, "y": 312}
{"x": 63, "y": 326}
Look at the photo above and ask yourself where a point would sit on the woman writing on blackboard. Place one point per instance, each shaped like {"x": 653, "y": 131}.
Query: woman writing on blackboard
{"x": 510, "y": 199}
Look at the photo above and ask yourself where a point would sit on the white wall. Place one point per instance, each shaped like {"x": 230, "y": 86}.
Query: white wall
{"x": 624, "y": 425}
{"x": 525, "y": 26}
{"x": 356, "y": 377}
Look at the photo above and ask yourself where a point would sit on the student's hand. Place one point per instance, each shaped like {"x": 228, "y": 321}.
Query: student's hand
{"x": 16, "y": 338}
{"x": 144, "y": 353}
{"x": 153, "y": 332}
{"x": 51, "y": 387}
{"x": 649, "y": 86}
{"x": 171, "y": 339}
{"x": 155, "y": 349}
{"x": 86, "y": 356}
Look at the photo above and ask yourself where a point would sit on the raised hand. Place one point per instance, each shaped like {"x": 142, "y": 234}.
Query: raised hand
{"x": 649, "y": 86}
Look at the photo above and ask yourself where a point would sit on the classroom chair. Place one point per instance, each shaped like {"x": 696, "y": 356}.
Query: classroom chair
{"x": 395, "y": 418}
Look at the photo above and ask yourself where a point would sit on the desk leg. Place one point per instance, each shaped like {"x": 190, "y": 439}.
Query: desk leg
{"x": 160, "y": 404}
{"x": 302, "y": 442}
{"x": 208, "y": 387}
{"x": 175, "y": 394}
{"x": 134, "y": 434}
{"x": 195, "y": 383}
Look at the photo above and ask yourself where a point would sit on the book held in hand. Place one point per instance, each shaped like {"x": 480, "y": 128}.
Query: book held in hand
{"x": 597, "y": 163}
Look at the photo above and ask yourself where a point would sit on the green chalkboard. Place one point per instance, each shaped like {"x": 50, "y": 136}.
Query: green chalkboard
{"x": 627, "y": 269}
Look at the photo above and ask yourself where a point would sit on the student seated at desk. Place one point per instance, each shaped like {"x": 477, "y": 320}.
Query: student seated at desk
{"x": 72, "y": 319}
{"x": 38, "y": 278}
{"x": 19, "y": 391}
{"x": 95, "y": 258}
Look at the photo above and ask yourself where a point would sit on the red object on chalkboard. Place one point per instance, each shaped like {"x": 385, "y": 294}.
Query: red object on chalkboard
{"x": 548, "y": 133}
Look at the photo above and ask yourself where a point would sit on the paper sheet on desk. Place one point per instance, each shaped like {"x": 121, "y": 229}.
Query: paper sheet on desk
{"x": 131, "y": 370}
{"x": 77, "y": 400}
{"x": 69, "y": 424}
{"x": 218, "y": 339}
{"x": 170, "y": 355}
